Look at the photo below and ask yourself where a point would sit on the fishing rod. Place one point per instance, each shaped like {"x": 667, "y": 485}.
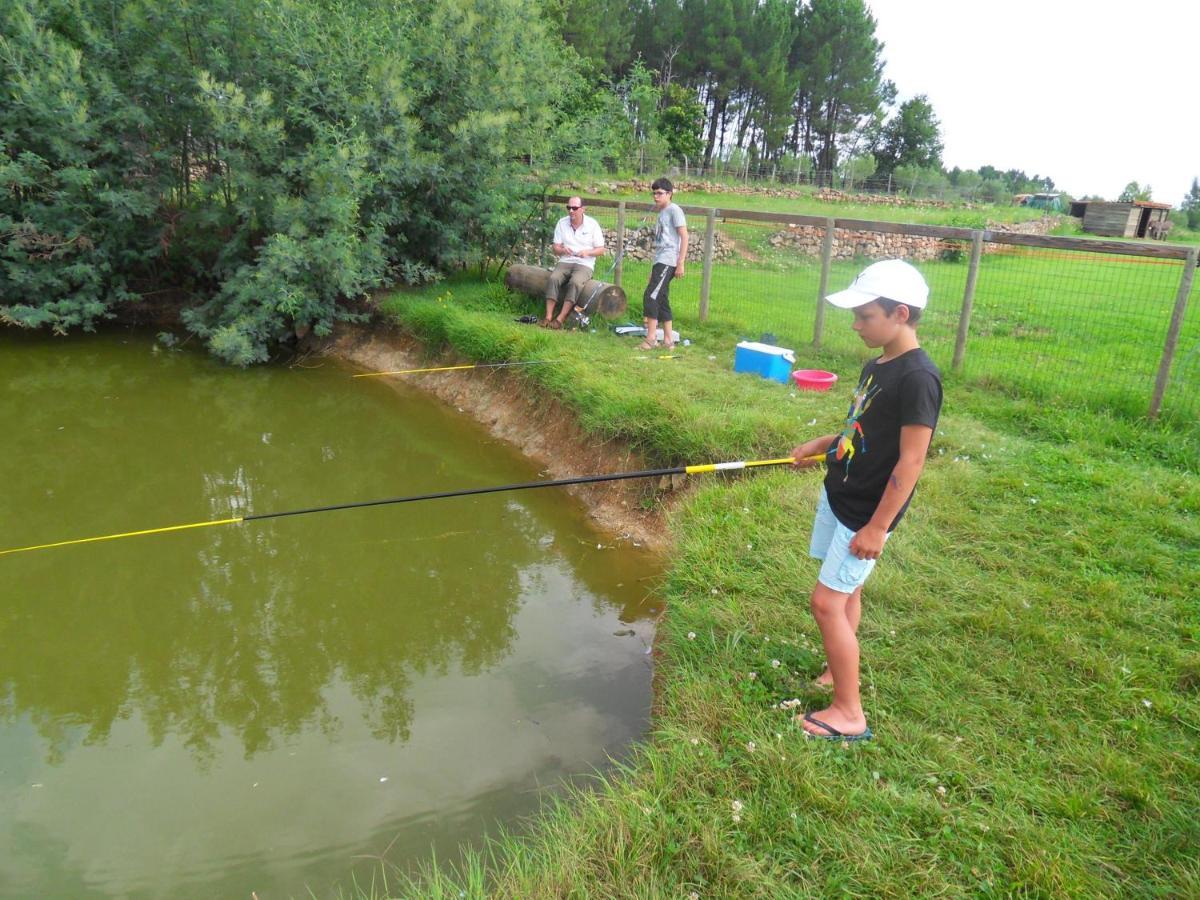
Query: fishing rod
{"x": 467, "y": 492}
{"x": 499, "y": 365}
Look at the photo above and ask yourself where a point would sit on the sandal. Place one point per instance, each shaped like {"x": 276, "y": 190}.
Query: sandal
{"x": 554, "y": 325}
{"x": 646, "y": 345}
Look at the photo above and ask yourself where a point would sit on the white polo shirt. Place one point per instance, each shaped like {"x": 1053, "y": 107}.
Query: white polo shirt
{"x": 587, "y": 236}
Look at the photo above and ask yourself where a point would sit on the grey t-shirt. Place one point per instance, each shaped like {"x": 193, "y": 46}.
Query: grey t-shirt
{"x": 666, "y": 235}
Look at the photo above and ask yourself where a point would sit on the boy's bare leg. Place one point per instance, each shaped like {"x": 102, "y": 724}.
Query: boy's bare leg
{"x": 845, "y": 713}
{"x": 853, "y": 616}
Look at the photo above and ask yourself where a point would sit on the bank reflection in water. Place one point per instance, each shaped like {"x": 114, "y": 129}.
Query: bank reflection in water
{"x": 257, "y": 704}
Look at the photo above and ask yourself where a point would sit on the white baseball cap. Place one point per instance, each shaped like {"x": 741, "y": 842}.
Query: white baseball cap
{"x": 893, "y": 279}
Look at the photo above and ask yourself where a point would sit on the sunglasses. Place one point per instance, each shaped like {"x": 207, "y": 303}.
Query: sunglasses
{"x": 573, "y": 208}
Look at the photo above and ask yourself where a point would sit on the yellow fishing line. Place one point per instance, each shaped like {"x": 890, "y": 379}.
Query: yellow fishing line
{"x": 414, "y": 371}
{"x": 113, "y": 537}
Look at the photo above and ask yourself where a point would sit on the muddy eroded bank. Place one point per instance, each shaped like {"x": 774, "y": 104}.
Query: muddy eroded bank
{"x": 541, "y": 427}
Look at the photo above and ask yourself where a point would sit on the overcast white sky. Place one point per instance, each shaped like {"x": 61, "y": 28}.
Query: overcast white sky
{"x": 1049, "y": 86}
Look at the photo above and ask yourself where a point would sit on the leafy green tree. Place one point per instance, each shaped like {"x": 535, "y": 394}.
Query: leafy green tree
{"x": 74, "y": 220}
{"x": 680, "y": 121}
{"x": 1191, "y": 205}
{"x": 912, "y": 138}
{"x": 1134, "y": 191}
{"x": 840, "y": 68}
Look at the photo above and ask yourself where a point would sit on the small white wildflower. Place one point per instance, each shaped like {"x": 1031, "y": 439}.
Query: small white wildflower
{"x": 958, "y": 739}
{"x": 737, "y": 806}
{"x": 1033, "y": 501}
{"x": 892, "y": 632}
{"x": 812, "y": 421}
{"x": 753, "y": 675}
{"x": 876, "y": 776}
{"x": 1126, "y": 671}
{"x": 695, "y": 742}
{"x": 941, "y": 789}
{"x": 691, "y": 635}
{"x": 647, "y": 810}
{"x": 1146, "y": 703}
{"x": 714, "y": 592}
{"x": 779, "y": 736}
{"x": 984, "y": 827}
{"x": 745, "y": 509}
{"x": 749, "y": 546}
{"x": 793, "y": 814}
{"x": 736, "y": 818}
{"x": 751, "y": 746}
{"x": 775, "y": 664}
{"x": 767, "y": 638}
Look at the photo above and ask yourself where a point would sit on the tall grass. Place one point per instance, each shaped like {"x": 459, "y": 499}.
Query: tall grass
{"x": 1031, "y": 647}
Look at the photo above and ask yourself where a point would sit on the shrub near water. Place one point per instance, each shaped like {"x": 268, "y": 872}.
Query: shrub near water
{"x": 269, "y": 162}
{"x": 1029, "y": 646}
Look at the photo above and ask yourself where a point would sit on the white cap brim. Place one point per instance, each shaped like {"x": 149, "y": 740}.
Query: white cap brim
{"x": 850, "y": 298}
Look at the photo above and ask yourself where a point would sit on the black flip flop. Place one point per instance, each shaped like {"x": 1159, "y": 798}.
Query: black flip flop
{"x": 834, "y": 734}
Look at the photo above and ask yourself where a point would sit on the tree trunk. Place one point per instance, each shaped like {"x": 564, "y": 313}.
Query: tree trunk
{"x": 598, "y": 297}
{"x": 719, "y": 105}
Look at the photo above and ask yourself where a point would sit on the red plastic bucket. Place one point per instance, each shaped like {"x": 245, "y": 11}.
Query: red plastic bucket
{"x": 813, "y": 379}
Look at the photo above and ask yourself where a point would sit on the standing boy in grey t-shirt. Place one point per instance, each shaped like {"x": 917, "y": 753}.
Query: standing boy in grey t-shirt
{"x": 670, "y": 254}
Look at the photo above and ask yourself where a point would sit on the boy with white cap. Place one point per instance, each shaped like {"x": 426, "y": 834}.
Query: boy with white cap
{"x": 873, "y": 467}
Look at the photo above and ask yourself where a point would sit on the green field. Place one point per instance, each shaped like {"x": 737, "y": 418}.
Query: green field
{"x": 1030, "y": 647}
{"x": 1048, "y": 325}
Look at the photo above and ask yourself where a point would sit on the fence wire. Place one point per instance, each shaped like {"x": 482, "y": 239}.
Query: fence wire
{"x": 1063, "y": 326}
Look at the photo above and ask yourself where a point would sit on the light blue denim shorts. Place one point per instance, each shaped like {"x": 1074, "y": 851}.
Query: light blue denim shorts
{"x": 841, "y": 570}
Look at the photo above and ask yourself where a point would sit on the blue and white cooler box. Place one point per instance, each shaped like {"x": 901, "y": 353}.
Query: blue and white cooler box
{"x": 765, "y": 360}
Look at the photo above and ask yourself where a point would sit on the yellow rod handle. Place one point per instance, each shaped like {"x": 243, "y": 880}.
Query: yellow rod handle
{"x": 747, "y": 464}
{"x": 113, "y": 537}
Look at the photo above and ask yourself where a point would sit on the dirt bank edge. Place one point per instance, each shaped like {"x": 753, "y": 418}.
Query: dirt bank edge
{"x": 541, "y": 427}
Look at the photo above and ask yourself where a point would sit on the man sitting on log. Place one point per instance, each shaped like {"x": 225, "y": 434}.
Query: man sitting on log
{"x": 578, "y": 240}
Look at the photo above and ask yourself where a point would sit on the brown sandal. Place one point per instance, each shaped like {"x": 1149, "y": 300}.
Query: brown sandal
{"x": 646, "y": 345}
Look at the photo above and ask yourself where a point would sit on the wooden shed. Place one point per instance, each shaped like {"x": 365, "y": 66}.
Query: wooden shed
{"x": 1130, "y": 219}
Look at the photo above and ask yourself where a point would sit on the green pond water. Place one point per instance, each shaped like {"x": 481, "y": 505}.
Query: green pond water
{"x": 265, "y": 706}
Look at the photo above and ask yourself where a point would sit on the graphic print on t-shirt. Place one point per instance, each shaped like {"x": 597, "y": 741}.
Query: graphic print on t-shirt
{"x": 859, "y": 404}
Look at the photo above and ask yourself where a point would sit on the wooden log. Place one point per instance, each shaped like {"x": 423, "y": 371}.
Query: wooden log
{"x": 601, "y": 298}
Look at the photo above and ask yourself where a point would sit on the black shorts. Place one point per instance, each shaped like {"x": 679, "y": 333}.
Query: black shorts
{"x": 656, "y": 302}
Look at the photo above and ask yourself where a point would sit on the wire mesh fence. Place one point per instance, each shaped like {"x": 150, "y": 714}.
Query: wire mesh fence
{"x": 1064, "y": 320}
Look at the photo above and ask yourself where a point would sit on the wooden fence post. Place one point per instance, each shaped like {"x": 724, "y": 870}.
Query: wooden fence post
{"x": 545, "y": 217}
{"x": 619, "y": 262}
{"x": 823, "y": 288}
{"x": 1181, "y": 301}
{"x": 964, "y": 317}
{"x": 710, "y": 230}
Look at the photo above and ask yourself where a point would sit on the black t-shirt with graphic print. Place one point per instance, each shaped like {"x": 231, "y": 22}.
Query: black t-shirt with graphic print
{"x": 903, "y": 391}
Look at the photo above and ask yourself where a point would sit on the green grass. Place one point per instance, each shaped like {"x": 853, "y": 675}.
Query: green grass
{"x": 1030, "y": 647}
{"x": 1059, "y": 327}
{"x": 805, "y": 202}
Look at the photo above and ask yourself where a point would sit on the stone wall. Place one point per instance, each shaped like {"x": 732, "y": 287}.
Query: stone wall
{"x": 639, "y": 244}
{"x": 851, "y": 244}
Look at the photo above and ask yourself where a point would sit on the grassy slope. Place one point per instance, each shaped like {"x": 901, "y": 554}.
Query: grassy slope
{"x": 1030, "y": 652}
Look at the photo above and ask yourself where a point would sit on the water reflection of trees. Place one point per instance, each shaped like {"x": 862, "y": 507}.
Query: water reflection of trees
{"x": 246, "y": 629}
